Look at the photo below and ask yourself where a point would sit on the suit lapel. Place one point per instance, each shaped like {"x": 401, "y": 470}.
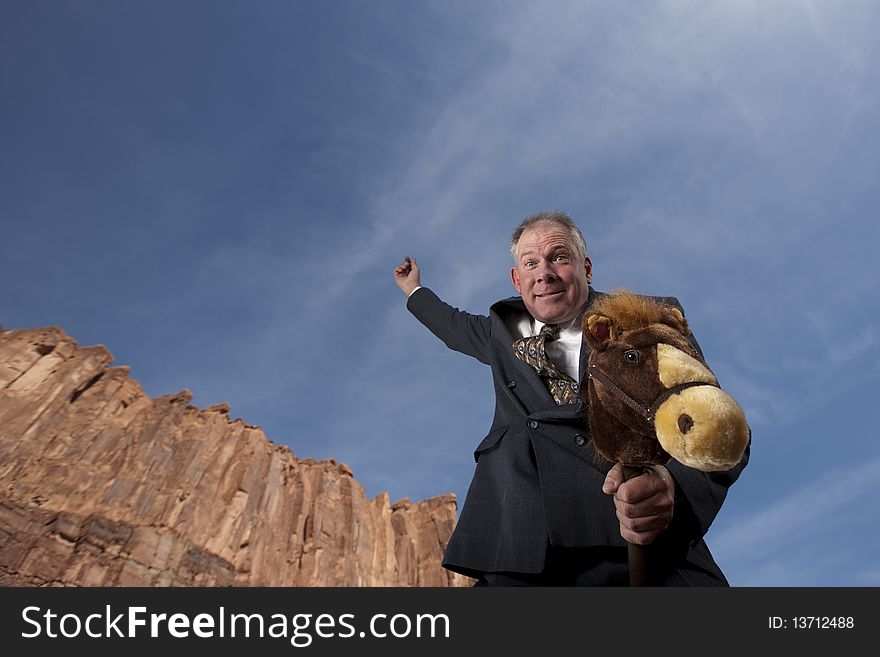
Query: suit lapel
{"x": 592, "y": 297}
{"x": 509, "y": 311}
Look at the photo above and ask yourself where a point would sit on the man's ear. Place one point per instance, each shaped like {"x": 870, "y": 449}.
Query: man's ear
{"x": 588, "y": 267}
{"x": 673, "y": 317}
{"x": 514, "y": 278}
{"x": 599, "y": 331}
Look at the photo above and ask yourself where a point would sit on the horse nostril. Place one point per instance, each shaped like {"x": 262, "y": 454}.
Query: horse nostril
{"x": 685, "y": 422}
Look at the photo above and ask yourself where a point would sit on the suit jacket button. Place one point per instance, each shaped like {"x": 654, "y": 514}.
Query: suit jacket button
{"x": 511, "y": 384}
{"x": 533, "y": 424}
{"x": 579, "y": 440}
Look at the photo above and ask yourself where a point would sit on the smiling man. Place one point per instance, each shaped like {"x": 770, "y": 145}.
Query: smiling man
{"x": 552, "y": 272}
{"x": 543, "y": 508}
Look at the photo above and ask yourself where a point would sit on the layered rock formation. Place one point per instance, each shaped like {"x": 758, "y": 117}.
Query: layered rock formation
{"x": 101, "y": 485}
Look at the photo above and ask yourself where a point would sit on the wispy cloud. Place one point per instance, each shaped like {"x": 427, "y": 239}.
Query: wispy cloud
{"x": 765, "y": 541}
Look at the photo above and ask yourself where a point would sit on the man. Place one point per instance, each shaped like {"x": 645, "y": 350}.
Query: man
{"x": 543, "y": 508}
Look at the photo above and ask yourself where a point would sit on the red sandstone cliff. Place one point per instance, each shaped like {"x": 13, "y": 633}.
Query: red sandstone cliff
{"x": 102, "y": 485}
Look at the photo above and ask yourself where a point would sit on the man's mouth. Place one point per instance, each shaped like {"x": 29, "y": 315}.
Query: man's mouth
{"x": 547, "y": 295}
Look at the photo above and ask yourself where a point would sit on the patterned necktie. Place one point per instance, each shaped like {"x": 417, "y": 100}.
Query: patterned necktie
{"x": 531, "y": 350}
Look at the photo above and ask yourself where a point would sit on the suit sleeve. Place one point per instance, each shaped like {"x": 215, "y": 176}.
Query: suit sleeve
{"x": 460, "y": 331}
{"x": 699, "y": 495}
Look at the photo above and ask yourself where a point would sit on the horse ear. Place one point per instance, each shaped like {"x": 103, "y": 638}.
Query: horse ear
{"x": 673, "y": 317}
{"x": 599, "y": 331}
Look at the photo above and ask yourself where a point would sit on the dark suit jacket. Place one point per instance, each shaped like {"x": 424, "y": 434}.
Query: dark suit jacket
{"x": 538, "y": 479}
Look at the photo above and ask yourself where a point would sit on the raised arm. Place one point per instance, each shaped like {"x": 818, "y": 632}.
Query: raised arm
{"x": 459, "y": 330}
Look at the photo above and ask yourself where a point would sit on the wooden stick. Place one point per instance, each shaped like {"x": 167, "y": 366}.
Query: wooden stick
{"x": 636, "y": 554}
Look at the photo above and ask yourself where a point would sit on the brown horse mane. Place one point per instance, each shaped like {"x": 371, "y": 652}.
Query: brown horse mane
{"x": 629, "y": 310}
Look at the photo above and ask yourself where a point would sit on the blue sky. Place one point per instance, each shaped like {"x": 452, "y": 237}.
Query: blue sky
{"x": 218, "y": 192}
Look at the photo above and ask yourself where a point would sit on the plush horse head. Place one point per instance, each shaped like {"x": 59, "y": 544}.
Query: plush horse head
{"x": 651, "y": 394}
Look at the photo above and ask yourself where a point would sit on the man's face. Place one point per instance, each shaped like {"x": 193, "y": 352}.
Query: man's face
{"x": 550, "y": 275}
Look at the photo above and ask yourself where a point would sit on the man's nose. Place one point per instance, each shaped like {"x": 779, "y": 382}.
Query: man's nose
{"x": 546, "y": 273}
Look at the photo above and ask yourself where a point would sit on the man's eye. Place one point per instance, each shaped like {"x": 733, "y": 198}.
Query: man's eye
{"x": 562, "y": 257}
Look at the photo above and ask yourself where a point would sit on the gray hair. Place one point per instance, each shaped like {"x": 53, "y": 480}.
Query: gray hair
{"x": 550, "y": 217}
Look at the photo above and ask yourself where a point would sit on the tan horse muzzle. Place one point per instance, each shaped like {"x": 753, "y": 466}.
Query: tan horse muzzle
{"x": 700, "y": 426}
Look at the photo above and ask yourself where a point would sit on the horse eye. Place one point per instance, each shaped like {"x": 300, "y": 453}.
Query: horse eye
{"x": 631, "y": 356}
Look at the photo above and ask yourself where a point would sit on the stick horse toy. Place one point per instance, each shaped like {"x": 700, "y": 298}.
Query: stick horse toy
{"x": 652, "y": 396}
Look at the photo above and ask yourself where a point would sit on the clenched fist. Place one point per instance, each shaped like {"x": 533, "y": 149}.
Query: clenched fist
{"x": 406, "y": 275}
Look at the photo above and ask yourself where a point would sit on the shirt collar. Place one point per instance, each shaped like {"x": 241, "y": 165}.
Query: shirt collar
{"x": 574, "y": 326}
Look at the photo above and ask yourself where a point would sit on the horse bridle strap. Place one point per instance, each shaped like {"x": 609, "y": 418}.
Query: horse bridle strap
{"x": 646, "y": 412}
